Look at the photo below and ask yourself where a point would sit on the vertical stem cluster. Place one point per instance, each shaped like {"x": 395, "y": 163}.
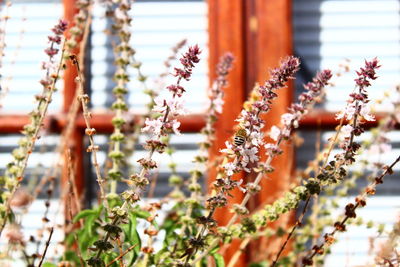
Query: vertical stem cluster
{"x": 168, "y": 108}
{"x": 15, "y": 170}
{"x": 123, "y": 59}
{"x": 89, "y": 131}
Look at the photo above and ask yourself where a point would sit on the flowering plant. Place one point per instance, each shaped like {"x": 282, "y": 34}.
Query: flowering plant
{"x": 127, "y": 229}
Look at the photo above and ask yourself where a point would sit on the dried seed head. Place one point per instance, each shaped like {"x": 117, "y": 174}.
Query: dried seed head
{"x": 370, "y": 190}
{"x": 90, "y": 131}
{"x": 151, "y": 231}
{"x": 147, "y": 250}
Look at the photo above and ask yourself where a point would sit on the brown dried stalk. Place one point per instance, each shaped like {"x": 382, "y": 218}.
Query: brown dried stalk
{"x": 350, "y": 213}
{"x": 72, "y": 192}
{"x": 300, "y": 219}
{"x": 90, "y": 132}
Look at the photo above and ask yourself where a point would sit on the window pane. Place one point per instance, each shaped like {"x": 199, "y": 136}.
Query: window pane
{"x": 26, "y": 38}
{"x": 326, "y": 32}
{"x": 157, "y": 27}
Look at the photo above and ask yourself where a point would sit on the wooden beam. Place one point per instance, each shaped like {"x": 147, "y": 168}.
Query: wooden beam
{"x": 54, "y": 123}
{"x": 76, "y": 140}
{"x": 226, "y": 34}
{"x": 272, "y": 23}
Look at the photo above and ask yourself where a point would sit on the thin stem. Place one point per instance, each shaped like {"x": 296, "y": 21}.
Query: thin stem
{"x": 297, "y": 224}
{"x": 89, "y": 130}
{"x": 72, "y": 191}
{"x": 31, "y": 144}
{"x": 378, "y": 180}
{"x": 236, "y": 256}
{"x": 121, "y": 256}
{"x": 46, "y": 247}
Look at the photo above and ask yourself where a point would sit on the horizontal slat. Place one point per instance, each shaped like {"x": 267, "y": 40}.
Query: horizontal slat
{"x": 348, "y": 6}
{"x": 327, "y": 31}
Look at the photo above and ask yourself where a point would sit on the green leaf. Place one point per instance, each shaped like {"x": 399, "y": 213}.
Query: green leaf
{"x": 259, "y": 264}
{"x": 91, "y": 225}
{"x": 48, "y": 264}
{"x": 132, "y": 235}
{"x": 219, "y": 260}
{"x": 72, "y": 256}
{"x": 214, "y": 250}
{"x": 84, "y": 214}
{"x": 142, "y": 214}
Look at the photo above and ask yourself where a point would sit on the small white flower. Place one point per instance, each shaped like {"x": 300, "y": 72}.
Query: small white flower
{"x": 286, "y": 119}
{"x": 119, "y": 14}
{"x": 152, "y": 126}
{"x": 347, "y": 130}
{"x": 365, "y": 113}
{"x": 176, "y": 106}
{"x": 272, "y": 149}
{"x": 239, "y": 186}
{"x": 256, "y": 138}
{"x": 250, "y": 154}
{"x": 218, "y": 104}
{"x": 285, "y": 132}
{"x": 275, "y": 133}
{"x": 175, "y": 126}
{"x": 228, "y": 149}
{"x": 230, "y": 168}
{"x": 160, "y": 104}
{"x": 348, "y": 112}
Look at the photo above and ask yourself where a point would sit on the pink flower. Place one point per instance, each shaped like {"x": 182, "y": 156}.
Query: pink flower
{"x": 272, "y": 149}
{"x": 161, "y": 104}
{"x": 348, "y": 112}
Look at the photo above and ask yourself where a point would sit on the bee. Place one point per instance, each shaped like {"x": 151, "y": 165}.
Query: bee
{"x": 240, "y": 137}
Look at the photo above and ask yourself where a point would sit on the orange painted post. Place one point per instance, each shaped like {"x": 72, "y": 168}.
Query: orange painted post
{"x": 274, "y": 41}
{"x": 76, "y": 140}
{"x": 226, "y": 34}
{"x": 273, "y": 27}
